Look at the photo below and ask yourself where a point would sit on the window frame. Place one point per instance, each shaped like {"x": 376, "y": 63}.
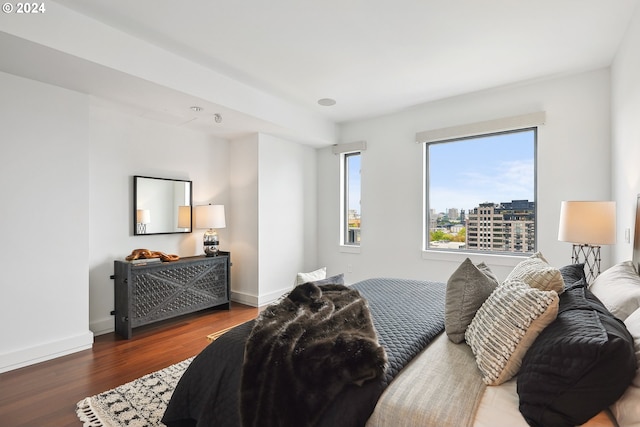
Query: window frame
{"x": 426, "y": 199}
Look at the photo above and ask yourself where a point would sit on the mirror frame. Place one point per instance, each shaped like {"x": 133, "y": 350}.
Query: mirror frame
{"x": 136, "y": 183}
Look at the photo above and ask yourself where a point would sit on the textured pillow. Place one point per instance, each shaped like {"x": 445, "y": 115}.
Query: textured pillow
{"x": 627, "y": 408}
{"x": 619, "y": 289}
{"x": 467, "y": 288}
{"x": 536, "y": 272}
{"x": 578, "y": 366}
{"x": 506, "y": 325}
{"x": 318, "y": 274}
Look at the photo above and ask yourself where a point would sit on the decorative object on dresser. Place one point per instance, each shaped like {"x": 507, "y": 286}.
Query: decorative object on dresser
{"x": 587, "y": 225}
{"x": 150, "y": 292}
{"x": 210, "y": 217}
{"x": 143, "y": 255}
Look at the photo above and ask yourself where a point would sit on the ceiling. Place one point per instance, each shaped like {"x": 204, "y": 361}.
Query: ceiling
{"x": 375, "y": 56}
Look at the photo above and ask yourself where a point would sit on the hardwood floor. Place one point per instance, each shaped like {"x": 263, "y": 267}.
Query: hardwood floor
{"x": 45, "y": 394}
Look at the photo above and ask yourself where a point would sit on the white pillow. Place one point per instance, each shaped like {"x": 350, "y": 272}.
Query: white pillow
{"x": 619, "y": 289}
{"x": 506, "y": 325}
{"x": 536, "y": 272}
{"x": 312, "y": 276}
{"x": 627, "y": 408}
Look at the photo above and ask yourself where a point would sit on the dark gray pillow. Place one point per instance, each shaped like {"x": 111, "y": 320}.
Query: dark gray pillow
{"x": 579, "y": 365}
{"x": 467, "y": 288}
{"x": 572, "y": 273}
{"x": 338, "y": 279}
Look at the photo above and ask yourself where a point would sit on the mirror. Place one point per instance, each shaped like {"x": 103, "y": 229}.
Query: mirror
{"x": 161, "y": 206}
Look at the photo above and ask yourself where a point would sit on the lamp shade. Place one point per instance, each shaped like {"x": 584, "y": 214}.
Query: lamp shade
{"x": 210, "y": 216}
{"x": 184, "y": 216}
{"x": 143, "y": 216}
{"x": 592, "y": 223}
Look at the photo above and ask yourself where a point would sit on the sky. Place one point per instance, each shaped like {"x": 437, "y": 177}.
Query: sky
{"x": 354, "y": 182}
{"x": 497, "y": 168}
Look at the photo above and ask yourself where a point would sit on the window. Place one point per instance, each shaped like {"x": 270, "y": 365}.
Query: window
{"x": 480, "y": 193}
{"x": 351, "y": 213}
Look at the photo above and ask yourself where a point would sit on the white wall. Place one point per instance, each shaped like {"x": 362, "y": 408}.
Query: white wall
{"x": 123, "y": 145}
{"x": 573, "y": 164}
{"x": 273, "y": 185}
{"x": 625, "y": 109}
{"x": 287, "y": 203}
{"x": 244, "y": 211}
{"x": 44, "y": 222}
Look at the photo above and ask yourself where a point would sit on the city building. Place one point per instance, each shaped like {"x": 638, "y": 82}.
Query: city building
{"x": 503, "y": 227}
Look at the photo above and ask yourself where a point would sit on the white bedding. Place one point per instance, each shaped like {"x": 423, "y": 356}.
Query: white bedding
{"x": 409, "y": 406}
{"x": 439, "y": 388}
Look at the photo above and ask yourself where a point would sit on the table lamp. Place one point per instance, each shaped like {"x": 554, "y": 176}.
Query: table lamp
{"x": 587, "y": 225}
{"x": 210, "y": 217}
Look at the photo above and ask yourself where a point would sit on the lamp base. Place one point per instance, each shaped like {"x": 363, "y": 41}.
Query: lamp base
{"x": 588, "y": 255}
{"x": 210, "y": 242}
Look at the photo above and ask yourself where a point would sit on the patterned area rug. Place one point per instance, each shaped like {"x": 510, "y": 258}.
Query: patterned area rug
{"x": 140, "y": 403}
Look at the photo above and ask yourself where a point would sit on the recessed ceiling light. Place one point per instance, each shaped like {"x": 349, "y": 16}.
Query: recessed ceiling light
{"x": 196, "y": 108}
{"x": 327, "y": 102}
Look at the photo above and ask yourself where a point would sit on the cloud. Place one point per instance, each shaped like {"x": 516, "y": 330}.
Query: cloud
{"x": 466, "y": 189}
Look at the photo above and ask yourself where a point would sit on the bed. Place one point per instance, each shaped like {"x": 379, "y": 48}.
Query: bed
{"x": 424, "y": 353}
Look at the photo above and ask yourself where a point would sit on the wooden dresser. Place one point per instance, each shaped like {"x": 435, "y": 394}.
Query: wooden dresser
{"x": 155, "y": 291}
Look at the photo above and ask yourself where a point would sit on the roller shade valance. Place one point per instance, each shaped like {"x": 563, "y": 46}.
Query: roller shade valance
{"x": 349, "y": 147}
{"x": 480, "y": 128}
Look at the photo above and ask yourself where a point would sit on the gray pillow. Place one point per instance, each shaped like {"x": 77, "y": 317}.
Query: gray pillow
{"x": 467, "y": 288}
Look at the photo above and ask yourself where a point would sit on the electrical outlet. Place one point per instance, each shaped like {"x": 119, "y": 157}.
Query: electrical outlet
{"x": 349, "y": 268}
{"x": 627, "y": 235}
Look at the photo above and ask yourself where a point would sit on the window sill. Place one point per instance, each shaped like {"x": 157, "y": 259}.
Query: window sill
{"x": 491, "y": 259}
{"x": 349, "y": 249}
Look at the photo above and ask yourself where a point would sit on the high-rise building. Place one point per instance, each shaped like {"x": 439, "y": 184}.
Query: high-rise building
{"x": 503, "y": 227}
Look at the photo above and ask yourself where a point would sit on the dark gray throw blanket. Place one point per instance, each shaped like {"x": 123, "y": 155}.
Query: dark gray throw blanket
{"x": 303, "y": 351}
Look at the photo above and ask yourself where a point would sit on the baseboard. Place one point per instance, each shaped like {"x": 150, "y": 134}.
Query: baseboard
{"x": 44, "y": 352}
{"x": 272, "y": 296}
{"x": 246, "y": 299}
{"x": 257, "y": 301}
{"x": 102, "y": 326}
